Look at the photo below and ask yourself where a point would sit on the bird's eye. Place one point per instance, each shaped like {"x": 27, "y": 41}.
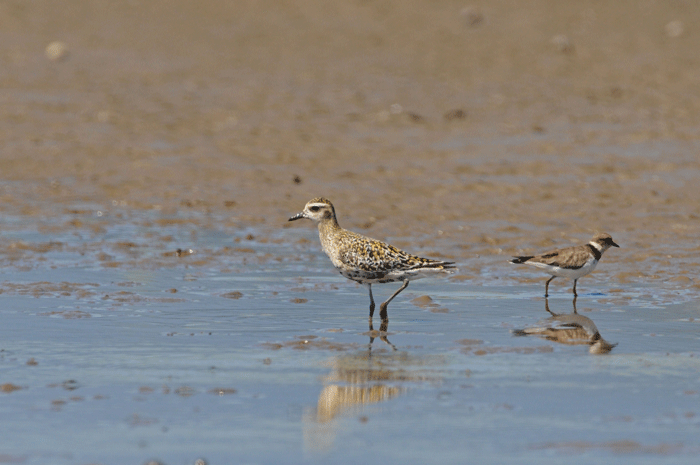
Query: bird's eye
{"x": 315, "y": 208}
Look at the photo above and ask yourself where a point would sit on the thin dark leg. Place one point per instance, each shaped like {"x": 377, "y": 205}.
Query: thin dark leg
{"x": 575, "y": 294}
{"x": 546, "y": 286}
{"x": 383, "y": 328}
{"x": 371, "y": 302}
{"x": 575, "y": 297}
{"x": 382, "y": 308}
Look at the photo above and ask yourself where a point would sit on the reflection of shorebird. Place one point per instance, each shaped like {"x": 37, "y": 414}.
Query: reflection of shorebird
{"x": 367, "y": 261}
{"x": 383, "y": 328}
{"x": 353, "y": 384}
{"x": 569, "y": 329}
{"x": 357, "y": 381}
{"x": 570, "y": 262}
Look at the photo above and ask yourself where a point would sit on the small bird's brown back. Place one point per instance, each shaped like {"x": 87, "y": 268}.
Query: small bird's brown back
{"x": 570, "y": 257}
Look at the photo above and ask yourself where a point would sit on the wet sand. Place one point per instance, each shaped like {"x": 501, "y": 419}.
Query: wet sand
{"x": 467, "y": 130}
{"x": 152, "y": 153}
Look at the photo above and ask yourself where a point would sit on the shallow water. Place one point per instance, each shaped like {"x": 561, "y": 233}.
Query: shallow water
{"x": 270, "y": 361}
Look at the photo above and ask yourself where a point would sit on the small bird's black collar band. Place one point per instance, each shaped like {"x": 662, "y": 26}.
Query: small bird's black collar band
{"x": 594, "y": 250}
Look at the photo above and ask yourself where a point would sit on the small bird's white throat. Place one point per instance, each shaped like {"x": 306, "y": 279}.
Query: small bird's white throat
{"x": 598, "y": 247}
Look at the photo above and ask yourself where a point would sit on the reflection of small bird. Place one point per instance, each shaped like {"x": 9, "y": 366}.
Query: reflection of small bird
{"x": 364, "y": 260}
{"x": 569, "y": 329}
{"x": 570, "y": 262}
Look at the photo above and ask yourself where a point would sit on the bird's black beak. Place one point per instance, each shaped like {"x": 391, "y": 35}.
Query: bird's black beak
{"x": 297, "y": 216}
{"x": 614, "y": 245}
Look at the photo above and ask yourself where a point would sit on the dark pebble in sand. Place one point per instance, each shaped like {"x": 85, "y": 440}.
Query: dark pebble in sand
{"x": 455, "y": 114}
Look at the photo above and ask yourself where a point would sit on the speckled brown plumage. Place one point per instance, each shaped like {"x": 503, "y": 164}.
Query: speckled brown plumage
{"x": 365, "y": 260}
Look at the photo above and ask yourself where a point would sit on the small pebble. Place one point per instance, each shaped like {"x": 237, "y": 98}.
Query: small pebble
{"x": 562, "y": 43}
{"x": 56, "y": 51}
{"x": 456, "y": 114}
{"x": 674, "y": 29}
{"x": 472, "y": 16}
{"x": 102, "y": 116}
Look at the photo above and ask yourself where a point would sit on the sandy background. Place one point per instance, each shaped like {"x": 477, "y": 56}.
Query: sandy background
{"x": 456, "y": 129}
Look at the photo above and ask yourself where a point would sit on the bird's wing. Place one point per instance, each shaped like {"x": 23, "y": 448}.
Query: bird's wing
{"x": 368, "y": 254}
{"x": 570, "y": 258}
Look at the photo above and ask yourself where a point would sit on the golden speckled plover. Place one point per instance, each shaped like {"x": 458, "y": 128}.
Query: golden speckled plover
{"x": 364, "y": 260}
{"x": 570, "y": 262}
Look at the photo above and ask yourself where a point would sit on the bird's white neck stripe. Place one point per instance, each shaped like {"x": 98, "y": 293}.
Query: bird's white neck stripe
{"x": 597, "y": 246}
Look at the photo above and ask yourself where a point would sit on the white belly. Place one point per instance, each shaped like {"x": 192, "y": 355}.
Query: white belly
{"x": 567, "y": 272}
{"x": 392, "y": 276}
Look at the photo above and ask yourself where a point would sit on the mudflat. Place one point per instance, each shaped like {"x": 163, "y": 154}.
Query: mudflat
{"x": 482, "y": 127}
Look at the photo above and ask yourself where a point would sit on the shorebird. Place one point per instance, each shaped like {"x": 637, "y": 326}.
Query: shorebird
{"x": 570, "y": 262}
{"x": 365, "y": 260}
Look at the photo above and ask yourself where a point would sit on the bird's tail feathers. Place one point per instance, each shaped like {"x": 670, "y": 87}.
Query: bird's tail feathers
{"x": 427, "y": 263}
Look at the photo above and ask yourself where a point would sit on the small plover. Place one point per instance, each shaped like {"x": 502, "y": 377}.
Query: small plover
{"x": 570, "y": 262}
{"x": 364, "y": 260}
